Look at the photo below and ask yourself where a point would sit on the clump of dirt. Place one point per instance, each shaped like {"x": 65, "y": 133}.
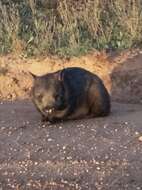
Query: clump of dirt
{"x": 121, "y": 73}
{"x": 14, "y": 85}
{"x": 126, "y": 77}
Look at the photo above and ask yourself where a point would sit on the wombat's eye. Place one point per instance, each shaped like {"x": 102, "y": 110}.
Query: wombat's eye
{"x": 39, "y": 96}
{"x": 57, "y": 96}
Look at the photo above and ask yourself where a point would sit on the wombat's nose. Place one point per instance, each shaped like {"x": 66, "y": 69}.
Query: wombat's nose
{"x": 48, "y": 110}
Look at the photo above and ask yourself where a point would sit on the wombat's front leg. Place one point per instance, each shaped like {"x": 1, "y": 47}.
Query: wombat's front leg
{"x": 44, "y": 119}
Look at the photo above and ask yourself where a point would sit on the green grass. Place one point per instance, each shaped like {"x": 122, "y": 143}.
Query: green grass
{"x": 69, "y": 28}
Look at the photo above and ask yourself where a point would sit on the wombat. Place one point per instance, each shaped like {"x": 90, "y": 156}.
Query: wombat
{"x": 71, "y": 93}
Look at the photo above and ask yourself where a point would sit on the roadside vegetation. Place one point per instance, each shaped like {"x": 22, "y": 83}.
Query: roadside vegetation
{"x": 69, "y": 27}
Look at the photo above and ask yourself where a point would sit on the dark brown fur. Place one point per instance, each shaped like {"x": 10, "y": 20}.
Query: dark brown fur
{"x": 70, "y": 93}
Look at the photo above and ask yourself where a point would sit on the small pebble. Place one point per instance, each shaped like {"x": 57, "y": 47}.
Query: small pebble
{"x": 140, "y": 138}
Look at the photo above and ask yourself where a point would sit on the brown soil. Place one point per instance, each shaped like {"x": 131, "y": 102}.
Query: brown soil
{"x": 16, "y": 82}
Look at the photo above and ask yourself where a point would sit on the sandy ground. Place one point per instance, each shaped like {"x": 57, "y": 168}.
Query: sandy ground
{"x": 95, "y": 154}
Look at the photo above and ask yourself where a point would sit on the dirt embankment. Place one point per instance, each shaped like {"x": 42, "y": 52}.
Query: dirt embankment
{"x": 122, "y": 73}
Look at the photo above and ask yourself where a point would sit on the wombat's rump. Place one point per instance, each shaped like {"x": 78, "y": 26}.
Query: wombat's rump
{"x": 70, "y": 93}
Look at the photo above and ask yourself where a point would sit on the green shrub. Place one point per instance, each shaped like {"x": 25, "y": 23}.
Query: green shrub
{"x": 69, "y": 27}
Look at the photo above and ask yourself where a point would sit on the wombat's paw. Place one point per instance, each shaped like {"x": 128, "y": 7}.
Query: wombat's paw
{"x": 44, "y": 119}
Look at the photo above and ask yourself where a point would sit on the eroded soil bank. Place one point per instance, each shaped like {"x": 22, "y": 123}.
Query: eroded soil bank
{"x": 121, "y": 73}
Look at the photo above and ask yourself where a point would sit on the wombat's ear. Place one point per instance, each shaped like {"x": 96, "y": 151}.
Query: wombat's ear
{"x": 33, "y": 75}
{"x": 59, "y": 75}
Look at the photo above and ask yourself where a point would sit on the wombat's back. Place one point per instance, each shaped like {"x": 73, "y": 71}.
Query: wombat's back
{"x": 86, "y": 92}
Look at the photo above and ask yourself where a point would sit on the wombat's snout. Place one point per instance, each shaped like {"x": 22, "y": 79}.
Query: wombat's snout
{"x": 48, "y": 110}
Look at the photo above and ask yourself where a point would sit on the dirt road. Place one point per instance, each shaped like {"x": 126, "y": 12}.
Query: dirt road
{"x": 101, "y": 153}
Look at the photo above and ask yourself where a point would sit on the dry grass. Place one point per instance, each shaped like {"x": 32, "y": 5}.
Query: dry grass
{"x": 69, "y": 27}
{"x": 9, "y": 25}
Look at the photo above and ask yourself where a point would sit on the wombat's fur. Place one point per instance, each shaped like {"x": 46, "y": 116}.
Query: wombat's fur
{"x": 70, "y": 93}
